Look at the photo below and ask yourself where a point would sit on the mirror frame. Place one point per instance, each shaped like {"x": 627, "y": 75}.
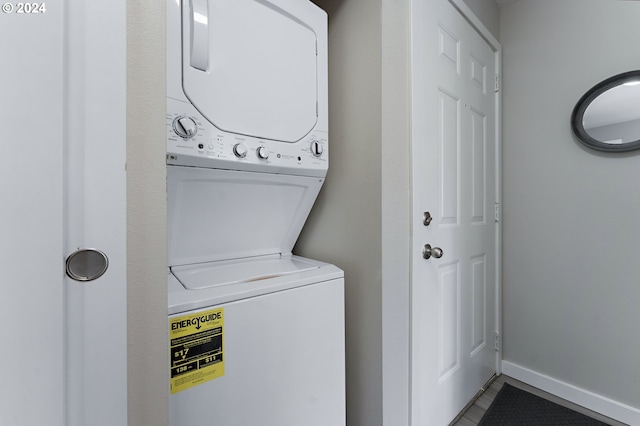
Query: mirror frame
{"x": 577, "y": 115}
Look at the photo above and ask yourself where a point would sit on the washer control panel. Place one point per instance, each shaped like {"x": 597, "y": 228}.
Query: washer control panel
{"x": 193, "y": 141}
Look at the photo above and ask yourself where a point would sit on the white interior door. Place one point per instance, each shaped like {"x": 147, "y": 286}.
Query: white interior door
{"x": 31, "y": 218}
{"x": 62, "y": 105}
{"x": 454, "y": 179}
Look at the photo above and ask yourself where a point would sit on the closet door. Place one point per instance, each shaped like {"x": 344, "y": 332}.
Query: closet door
{"x": 64, "y": 351}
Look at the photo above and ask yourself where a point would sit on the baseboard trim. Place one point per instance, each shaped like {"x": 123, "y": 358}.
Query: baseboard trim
{"x": 594, "y": 402}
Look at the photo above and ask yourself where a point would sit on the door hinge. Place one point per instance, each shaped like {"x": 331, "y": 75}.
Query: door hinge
{"x": 497, "y": 83}
{"x": 496, "y": 344}
{"x": 496, "y": 212}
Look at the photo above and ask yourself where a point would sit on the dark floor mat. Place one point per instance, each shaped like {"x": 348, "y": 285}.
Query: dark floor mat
{"x": 515, "y": 407}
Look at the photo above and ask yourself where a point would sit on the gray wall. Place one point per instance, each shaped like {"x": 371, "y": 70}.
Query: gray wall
{"x": 361, "y": 219}
{"x": 146, "y": 214}
{"x": 571, "y": 281}
{"x": 345, "y": 225}
{"x": 487, "y": 11}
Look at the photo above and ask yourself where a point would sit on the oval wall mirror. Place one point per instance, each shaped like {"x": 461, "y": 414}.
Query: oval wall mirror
{"x": 607, "y": 117}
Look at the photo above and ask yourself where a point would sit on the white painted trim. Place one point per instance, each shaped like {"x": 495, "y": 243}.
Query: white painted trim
{"x": 593, "y": 401}
{"x": 498, "y": 165}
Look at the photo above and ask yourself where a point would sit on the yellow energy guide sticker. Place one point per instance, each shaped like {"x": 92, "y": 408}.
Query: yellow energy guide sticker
{"x": 196, "y": 348}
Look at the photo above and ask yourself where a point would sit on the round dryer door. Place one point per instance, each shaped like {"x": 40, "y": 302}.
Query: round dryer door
{"x": 250, "y": 66}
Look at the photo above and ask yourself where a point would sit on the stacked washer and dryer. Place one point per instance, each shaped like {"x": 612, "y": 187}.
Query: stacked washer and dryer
{"x": 257, "y": 334}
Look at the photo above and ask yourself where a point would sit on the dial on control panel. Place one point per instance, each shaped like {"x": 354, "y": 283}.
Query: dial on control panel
{"x": 185, "y": 127}
{"x": 316, "y": 148}
{"x": 262, "y": 153}
{"x": 240, "y": 150}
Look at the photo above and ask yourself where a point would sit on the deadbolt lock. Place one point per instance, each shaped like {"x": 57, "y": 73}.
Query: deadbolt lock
{"x": 426, "y": 218}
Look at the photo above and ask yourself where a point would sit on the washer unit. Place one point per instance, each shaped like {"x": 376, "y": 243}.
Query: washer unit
{"x": 257, "y": 334}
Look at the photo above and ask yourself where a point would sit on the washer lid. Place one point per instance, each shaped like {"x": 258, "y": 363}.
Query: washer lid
{"x": 182, "y": 300}
{"x": 250, "y": 66}
{"x": 214, "y": 274}
{"x": 218, "y": 215}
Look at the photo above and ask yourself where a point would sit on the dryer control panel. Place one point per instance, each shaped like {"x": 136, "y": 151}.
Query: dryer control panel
{"x": 193, "y": 141}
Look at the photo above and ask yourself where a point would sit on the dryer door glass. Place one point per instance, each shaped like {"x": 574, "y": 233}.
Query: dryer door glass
{"x": 250, "y": 66}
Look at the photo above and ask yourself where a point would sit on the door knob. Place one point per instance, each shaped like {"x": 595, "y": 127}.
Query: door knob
{"x": 428, "y": 252}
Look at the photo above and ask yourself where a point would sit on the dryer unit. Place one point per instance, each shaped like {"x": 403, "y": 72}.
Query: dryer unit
{"x": 247, "y": 85}
{"x": 257, "y": 334}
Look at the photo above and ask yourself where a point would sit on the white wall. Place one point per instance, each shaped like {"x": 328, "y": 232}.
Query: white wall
{"x": 146, "y": 214}
{"x": 571, "y": 232}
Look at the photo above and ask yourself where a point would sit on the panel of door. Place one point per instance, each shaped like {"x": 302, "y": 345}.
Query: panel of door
{"x": 31, "y": 218}
{"x": 454, "y": 180}
{"x": 63, "y": 183}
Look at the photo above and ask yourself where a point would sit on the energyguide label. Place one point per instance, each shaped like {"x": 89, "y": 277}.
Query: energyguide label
{"x": 196, "y": 348}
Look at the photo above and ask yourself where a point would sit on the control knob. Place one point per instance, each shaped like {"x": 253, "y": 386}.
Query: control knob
{"x": 316, "y": 148}
{"x": 185, "y": 127}
{"x": 240, "y": 150}
{"x": 262, "y": 153}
